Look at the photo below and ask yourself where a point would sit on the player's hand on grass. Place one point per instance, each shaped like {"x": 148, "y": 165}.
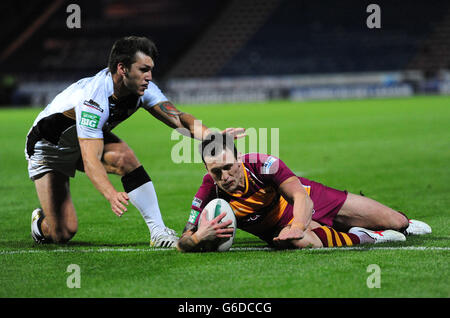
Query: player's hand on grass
{"x": 210, "y": 230}
{"x": 290, "y": 233}
{"x": 118, "y": 201}
{"x": 235, "y": 132}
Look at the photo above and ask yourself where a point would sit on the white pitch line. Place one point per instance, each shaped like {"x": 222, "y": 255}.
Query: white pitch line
{"x": 353, "y": 248}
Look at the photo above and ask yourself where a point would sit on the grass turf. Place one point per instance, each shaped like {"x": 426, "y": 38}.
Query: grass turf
{"x": 393, "y": 150}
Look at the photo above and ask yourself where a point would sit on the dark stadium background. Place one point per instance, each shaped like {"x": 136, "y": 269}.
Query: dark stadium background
{"x": 275, "y": 40}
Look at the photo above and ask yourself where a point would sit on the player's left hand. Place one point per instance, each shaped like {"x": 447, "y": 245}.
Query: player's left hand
{"x": 235, "y": 132}
{"x": 290, "y": 233}
{"x": 211, "y": 230}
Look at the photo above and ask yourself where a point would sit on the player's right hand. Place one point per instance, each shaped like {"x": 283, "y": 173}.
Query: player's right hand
{"x": 118, "y": 200}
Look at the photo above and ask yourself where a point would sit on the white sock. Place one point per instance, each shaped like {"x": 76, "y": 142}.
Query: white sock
{"x": 145, "y": 200}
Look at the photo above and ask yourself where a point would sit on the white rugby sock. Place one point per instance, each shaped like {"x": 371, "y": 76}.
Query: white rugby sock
{"x": 145, "y": 200}
{"x": 142, "y": 195}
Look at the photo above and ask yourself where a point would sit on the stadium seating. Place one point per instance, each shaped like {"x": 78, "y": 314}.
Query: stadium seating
{"x": 225, "y": 39}
{"x": 303, "y": 37}
{"x": 232, "y": 38}
{"x": 65, "y": 53}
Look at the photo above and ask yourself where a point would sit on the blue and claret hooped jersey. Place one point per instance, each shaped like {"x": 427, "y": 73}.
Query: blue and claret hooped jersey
{"x": 260, "y": 209}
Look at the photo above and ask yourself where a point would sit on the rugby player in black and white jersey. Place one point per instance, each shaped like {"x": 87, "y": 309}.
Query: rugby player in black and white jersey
{"x": 74, "y": 133}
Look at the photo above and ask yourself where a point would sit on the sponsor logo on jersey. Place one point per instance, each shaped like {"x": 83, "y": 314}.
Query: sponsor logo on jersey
{"x": 89, "y": 120}
{"x": 91, "y": 103}
{"x": 266, "y": 165}
{"x": 196, "y": 202}
{"x": 193, "y": 216}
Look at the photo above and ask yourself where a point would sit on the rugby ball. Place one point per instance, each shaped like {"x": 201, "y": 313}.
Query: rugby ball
{"x": 213, "y": 209}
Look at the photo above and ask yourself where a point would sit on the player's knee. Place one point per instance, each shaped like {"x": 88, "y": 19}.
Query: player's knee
{"x": 393, "y": 221}
{"x": 399, "y": 222}
{"x": 63, "y": 235}
{"x": 60, "y": 238}
{"x": 122, "y": 162}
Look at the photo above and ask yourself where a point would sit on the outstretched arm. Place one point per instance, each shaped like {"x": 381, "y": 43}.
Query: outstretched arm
{"x": 185, "y": 123}
{"x": 293, "y": 191}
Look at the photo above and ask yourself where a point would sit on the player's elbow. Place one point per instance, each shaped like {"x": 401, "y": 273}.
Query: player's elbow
{"x": 62, "y": 236}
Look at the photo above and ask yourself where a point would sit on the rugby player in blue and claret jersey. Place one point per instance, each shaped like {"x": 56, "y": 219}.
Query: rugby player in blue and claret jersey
{"x": 285, "y": 210}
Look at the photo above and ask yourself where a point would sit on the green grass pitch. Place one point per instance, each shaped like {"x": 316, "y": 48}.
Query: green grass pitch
{"x": 396, "y": 151}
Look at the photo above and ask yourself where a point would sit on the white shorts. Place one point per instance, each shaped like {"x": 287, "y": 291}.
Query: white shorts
{"x": 65, "y": 157}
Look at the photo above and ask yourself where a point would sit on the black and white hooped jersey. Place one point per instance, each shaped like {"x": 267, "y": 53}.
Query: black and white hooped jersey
{"x": 89, "y": 105}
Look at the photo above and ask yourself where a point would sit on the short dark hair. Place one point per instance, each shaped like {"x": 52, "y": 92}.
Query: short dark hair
{"x": 124, "y": 51}
{"x": 215, "y": 143}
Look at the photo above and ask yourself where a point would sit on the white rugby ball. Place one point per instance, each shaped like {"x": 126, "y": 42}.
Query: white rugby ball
{"x": 213, "y": 209}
